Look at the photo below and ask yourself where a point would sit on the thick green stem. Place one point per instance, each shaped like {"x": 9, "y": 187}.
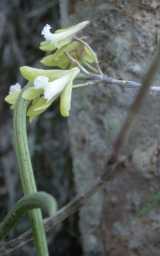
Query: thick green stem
{"x": 26, "y": 173}
{"x": 36, "y": 200}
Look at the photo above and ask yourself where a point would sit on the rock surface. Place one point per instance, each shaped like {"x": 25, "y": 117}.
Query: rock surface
{"x": 123, "y": 33}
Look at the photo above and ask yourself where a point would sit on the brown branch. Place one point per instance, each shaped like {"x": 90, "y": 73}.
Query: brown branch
{"x": 135, "y": 107}
{"x": 112, "y": 166}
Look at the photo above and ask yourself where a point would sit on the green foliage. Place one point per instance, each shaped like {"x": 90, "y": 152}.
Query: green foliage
{"x": 79, "y": 51}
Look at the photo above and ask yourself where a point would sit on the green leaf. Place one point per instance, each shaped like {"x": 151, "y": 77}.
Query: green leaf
{"x": 59, "y": 58}
{"x": 89, "y": 55}
{"x": 31, "y": 93}
{"x": 65, "y": 100}
{"x": 60, "y": 30}
{"x": 11, "y": 98}
{"x": 47, "y": 46}
{"x": 30, "y": 73}
{"x": 78, "y": 50}
{"x": 63, "y": 43}
{"x": 66, "y": 95}
{"x": 37, "y": 107}
{"x": 56, "y": 60}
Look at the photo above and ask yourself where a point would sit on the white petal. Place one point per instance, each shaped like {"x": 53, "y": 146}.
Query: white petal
{"x": 45, "y": 29}
{"x": 47, "y": 33}
{"x": 41, "y": 82}
{"x": 56, "y": 87}
{"x": 15, "y": 88}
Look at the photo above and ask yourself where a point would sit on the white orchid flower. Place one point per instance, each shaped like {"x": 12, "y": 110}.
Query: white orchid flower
{"x": 51, "y": 89}
{"x": 62, "y": 34}
{"x": 60, "y": 37}
{"x": 44, "y": 91}
{"x": 56, "y": 87}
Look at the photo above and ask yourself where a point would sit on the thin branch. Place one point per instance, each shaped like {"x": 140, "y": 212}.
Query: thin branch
{"x": 52, "y": 222}
{"x": 91, "y": 77}
{"x": 94, "y": 79}
{"x": 126, "y": 83}
{"x": 111, "y": 80}
{"x": 85, "y": 84}
{"x": 135, "y": 107}
{"x": 90, "y": 67}
{"x": 88, "y": 46}
{"x": 77, "y": 63}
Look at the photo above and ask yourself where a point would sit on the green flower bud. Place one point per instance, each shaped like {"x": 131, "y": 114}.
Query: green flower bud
{"x": 14, "y": 92}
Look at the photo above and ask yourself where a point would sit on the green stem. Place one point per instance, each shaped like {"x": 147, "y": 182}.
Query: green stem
{"x": 35, "y": 200}
{"x": 26, "y": 173}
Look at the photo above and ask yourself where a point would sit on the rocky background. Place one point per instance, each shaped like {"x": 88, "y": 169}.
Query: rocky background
{"x": 68, "y": 155}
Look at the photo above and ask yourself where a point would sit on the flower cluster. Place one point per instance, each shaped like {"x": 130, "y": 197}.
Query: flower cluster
{"x": 46, "y": 85}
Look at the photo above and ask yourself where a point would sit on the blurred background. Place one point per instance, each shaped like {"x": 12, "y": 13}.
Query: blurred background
{"x": 69, "y": 154}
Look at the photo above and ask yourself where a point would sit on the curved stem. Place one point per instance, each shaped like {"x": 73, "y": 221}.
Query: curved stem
{"x": 35, "y": 200}
{"x": 26, "y": 173}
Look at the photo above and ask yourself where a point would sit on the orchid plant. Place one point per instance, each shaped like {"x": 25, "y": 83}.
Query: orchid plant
{"x": 69, "y": 63}
{"x": 70, "y": 60}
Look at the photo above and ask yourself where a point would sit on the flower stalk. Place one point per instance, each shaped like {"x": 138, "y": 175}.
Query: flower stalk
{"x": 36, "y": 200}
{"x": 26, "y": 173}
